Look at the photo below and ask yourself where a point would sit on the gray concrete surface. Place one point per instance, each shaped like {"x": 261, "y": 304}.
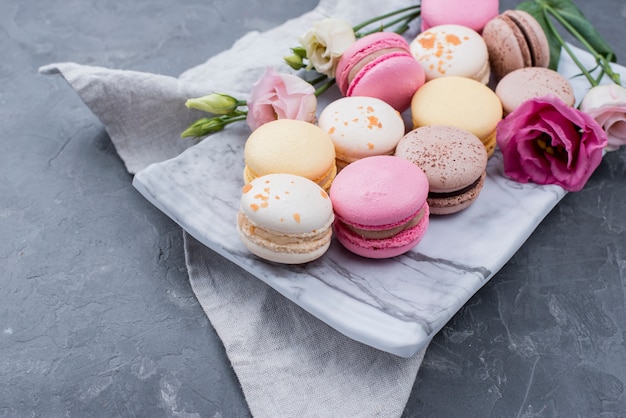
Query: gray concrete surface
{"x": 96, "y": 314}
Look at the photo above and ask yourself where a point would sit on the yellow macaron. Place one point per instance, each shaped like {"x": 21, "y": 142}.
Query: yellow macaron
{"x": 292, "y": 147}
{"x": 460, "y": 102}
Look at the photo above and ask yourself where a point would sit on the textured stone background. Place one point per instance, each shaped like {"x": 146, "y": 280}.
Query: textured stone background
{"x": 96, "y": 314}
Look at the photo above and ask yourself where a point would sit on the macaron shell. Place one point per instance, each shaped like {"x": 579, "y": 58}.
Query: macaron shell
{"x": 515, "y": 40}
{"x": 460, "y": 102}
{"x": 378, "y": 192}
{"x": 452, "y": 50}
{"x": 473, "y": 14}
{"x": 286, "y": 203}
{"x": 454, "y": 204}
{"x": 452, "y": 158}
{"x": 531, "y": 82}
{"x": 306, "y": 252}
{"x": 380, "y": 65}
{"x": 383, "y": 248}
{"x": 290, "y": 146}
{"x": 534, "y": 35}
{"x": 285, "y": 218}
{"x": 361, "y": 127}
{"x": 372, "y": 45}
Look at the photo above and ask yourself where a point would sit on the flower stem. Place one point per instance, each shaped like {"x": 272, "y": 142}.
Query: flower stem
{"x": 602, "y": 61}
{"x": 385, "y": 16}
{"x": 405, "y": 20}
{"x": 328, "y": 84}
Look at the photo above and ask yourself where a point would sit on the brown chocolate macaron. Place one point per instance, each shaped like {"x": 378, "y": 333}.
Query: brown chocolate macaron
{"x": 454, "y": 161}
{"x": 515, "y": 40}
{"x": 527, "y": 83}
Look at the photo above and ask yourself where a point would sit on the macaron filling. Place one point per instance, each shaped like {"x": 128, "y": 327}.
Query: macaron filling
{"x": 529, "y": 38}
{"x": 385, "y": 232}
{"x": 282, "y": 242}
{"x": 445, "y": 195}
{"x": 372, "y": 58}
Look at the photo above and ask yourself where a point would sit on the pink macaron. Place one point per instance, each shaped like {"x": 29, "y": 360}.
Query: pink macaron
{"x": 380, "y": 206}
{"x": 473, "y": 14}
{"x": 380, "y": 65}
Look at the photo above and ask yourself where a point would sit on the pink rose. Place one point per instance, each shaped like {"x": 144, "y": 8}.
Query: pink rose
{"x": 607, "y": 105}
{"x": 546, "y": 141}
{"x": 280, "y": 96}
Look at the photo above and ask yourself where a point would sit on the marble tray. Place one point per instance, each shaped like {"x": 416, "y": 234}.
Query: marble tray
{"x": 394, "y": 305}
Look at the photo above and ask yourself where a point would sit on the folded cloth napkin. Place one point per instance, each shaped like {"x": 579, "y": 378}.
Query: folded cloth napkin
{"x": 288, "y": 362}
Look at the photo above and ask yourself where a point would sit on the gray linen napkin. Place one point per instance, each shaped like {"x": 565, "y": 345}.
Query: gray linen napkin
{"x": 288, "y": 362}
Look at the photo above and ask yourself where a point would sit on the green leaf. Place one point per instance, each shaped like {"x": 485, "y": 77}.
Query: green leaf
{"x": 572, "y": 14}
{"x": 535, "y": 9}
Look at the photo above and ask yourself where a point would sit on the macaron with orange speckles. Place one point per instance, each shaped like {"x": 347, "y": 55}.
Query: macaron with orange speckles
{"x": 361, "y": 127}
{"x": 285, "y": 218}
{"x": 452, "y": 50}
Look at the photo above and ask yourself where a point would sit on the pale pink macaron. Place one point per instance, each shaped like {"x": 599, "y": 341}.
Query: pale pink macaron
{"x": 380, "y": 65}
{"x": 380, "y": 206}
{"x": 471, "y": 13}
{"x": 531, "y": 82}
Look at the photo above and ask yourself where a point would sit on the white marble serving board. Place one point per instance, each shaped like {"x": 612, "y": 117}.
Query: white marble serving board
{"x": 395, "y": 305}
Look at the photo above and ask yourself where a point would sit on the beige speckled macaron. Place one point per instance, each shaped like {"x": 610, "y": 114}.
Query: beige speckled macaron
{"x": 454, "y": 161}
{"x": 527, "y": 83}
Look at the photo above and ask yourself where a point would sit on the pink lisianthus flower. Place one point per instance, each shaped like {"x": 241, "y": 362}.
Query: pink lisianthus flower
{"x": 606, "y": 103}
{"x": 280, "y": 96}
{"x": 545, "y": 141}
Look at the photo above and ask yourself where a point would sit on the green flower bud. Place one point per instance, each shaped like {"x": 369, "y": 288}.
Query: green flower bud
{"x": 294, "y": 61}
{"x": 216, "y": 103}
{"x": 299, "y": 51}
{"x": 203, "y": 127}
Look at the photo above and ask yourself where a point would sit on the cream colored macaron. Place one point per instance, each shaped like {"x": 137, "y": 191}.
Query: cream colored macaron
{"x": 285, "y": 218}
{"x": 361, "y": 127}
{"x": 290, "y": 146}
{"x": 452, "y": 50}
{"x": 461, "y": 102}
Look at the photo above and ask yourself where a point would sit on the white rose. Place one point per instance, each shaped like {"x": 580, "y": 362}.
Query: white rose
{"x": 607, "y": 105}
{"x": 325, "y": 42}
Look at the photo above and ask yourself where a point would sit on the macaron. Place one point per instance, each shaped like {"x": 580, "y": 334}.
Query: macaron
{"x": 380, "y": 65}
{"x": 452, "y": 50}
{"x": 461, "y": 102}
{"x": 454, "y": 161}
{"x": 473, "y": 14}
{"x": 380, "y": 206}
{"x": 290, "y": 146}
{"x": 285, "y": 218}
{"x": 361, "y": 127}
{"x": 526, "y": 83}
{"x": 515, "y": 40}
